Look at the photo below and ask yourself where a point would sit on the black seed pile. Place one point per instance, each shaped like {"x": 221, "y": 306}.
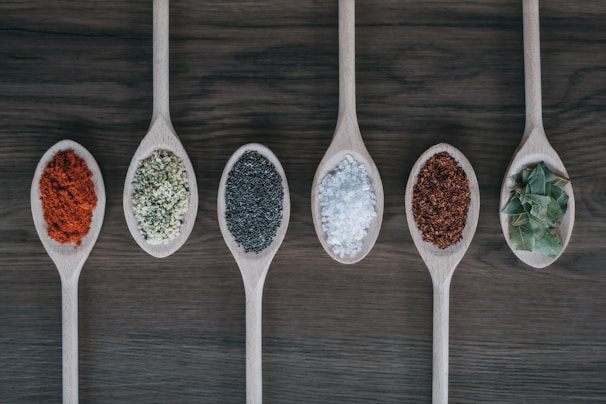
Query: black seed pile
{"x": 253, "y": 197}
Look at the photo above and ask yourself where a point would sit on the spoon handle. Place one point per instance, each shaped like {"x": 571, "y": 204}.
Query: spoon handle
{"x": 161, "y": 107}
{"x": 347, "y": 58}
{"x": 69, "y": 289}
{"x": 254, "y": 379}
{"x": 441, "y": 292}
{"x": 532, "y": 66}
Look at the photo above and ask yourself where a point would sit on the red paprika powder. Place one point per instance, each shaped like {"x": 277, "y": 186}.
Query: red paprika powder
{"x": 68, "y": 197}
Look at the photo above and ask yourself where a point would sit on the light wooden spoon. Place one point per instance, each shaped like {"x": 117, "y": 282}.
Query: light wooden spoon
{"x": 442, "y": 263}
{"x": 347, "y": 138}
{"x": 69, "y": 259}
{"x": 534, "y": 146}
{"x": 253, "y": 268}
{"x": 161, "y": 136}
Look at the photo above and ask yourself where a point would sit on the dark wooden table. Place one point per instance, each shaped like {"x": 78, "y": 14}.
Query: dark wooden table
{"x": 173, "y": 330}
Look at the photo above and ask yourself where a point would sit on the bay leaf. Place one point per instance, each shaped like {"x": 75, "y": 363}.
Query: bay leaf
{"x": 525, "y": 173}
{"x": 521, "y": 237}
{"x": 549, "y": 245}
{"x": 519, "y": 220}
{"x": 517, "y": 178}
{"x": 549, "y": 175}
{"x": 536, "y": 180}
{"x": 539, "y": 203}
{"x": 563, "y": 201}
{"x": 539, "y": 227}
{"x": 559, "y": 181}
{"x": 554, "y": 213}
{"x": 536, "y": 208}
{"x": 514, "y": 206}
{"x": 555, "y": 191}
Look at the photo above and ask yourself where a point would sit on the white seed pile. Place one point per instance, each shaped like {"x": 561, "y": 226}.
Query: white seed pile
{"x": 160, "y": 196}
{"x": 347, "y": 202}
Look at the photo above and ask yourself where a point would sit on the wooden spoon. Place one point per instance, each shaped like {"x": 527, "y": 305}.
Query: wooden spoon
{"x": 69, "y": 260}
{"x": 253, "y": 268}
{"x": 161, "y": 136}
{"x": 347, "y": 138}
{"x": 442, "y": 263}
{"x": 534, "y": 146}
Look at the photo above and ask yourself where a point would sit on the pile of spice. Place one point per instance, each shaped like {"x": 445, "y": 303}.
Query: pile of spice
{"x": 536, "y": 209}
{"x": 254, "y": 198}
{"x": 68, "y": 197}
{"x": 160, "y": 196}
{"x": 348, "y": 206}
{"x": 440, "y": 200}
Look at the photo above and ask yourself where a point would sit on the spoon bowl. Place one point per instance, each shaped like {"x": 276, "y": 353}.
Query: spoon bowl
{"x": 69, "y": 259}
{"x": 257, "y": 261}
{"x": 442, "y": 262}
{"x": 253, "y": 268}
{"x": 330, "y": 161}
{"x": 534, "y": 150}
{"x": 68, "y": 255}
{"x": 534, "y": 146}
{"x": 160, "y": 136}
{"x": 347, "y": 140}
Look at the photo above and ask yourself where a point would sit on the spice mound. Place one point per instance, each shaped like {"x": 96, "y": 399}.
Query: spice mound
{"x": 348, "y": 206}
{"x": 68, "y": 197}
{"x": 536, "y": 209}
{"x": 254, "y": 197}
{"x": 440, "y": 200}
{"x": 160, "y": 196}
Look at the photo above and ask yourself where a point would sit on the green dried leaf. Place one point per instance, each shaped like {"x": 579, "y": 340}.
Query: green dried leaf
{"x": 519, "y": 220}
{"x": 538, "y": 227}
{"x": 539, "y": 205}
{"x": 549, "y": 245}
{"x": 521, "y": 237}
{"x": 563, "y": 201}
{"x": 559, "y": 181}
{"x": 555, "y": 215}
{"x": 549, "y": 175}
{"x": 555, "y": 192}
{"x": 525, "y": 173}
{"x": 517, "y": 178}
{"x": 514, "y": 206}
{"x": 536, "y": 209}
{"x": 536, "y": 180}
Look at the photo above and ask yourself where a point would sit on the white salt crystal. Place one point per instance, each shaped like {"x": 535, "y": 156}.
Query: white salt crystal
{"x": 347, "y": 202}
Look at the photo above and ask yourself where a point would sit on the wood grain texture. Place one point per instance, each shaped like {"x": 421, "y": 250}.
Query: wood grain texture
{"x": 174, "y": 329}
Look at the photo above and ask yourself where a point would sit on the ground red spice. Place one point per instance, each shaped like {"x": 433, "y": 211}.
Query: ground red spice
{"x": 440, "y": 200}
{"x": 68, "y": 197}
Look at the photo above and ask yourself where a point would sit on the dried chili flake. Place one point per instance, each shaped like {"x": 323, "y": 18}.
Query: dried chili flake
{"x": 68, "y": 197}
{"x": 440, "y": 200}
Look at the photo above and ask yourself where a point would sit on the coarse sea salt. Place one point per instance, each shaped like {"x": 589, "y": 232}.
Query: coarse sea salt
{"x": 348, "y": 206}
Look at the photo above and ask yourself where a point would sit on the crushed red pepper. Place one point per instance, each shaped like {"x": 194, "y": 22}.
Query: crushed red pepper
{"x": 68, "y": 197}
{"x": 440, "y": 200}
